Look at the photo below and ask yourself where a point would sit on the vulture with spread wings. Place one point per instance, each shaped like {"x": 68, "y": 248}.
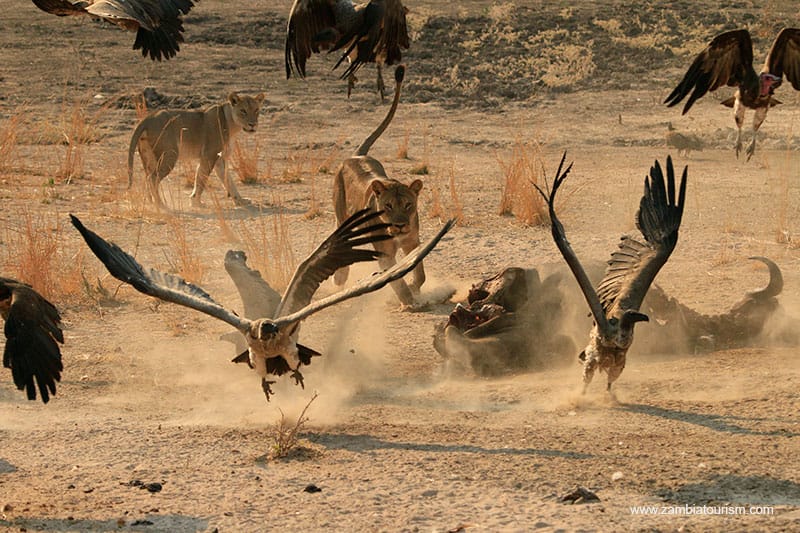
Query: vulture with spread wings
{"x": 272, "y": 341}
{"x": 632, "y": 268}
{"x": 728, "y": 60}
{"x": 32, "y": 329}
{"x": 158, "y": 23}
{"x": 373, "y": 32}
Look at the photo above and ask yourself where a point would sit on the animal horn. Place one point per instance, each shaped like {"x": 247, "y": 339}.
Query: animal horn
{"x": 775, "y": 285}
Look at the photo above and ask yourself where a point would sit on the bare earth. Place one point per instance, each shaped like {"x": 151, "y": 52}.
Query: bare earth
{"x": 396, "y": 440}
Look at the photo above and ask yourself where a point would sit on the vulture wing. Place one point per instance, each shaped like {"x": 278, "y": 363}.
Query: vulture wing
{"x": 154, "y": 283}
{"x": 560, "y": 237}
{"x": 366, "y": 285}
{"x": 337, "y": 251}
{"x": 725, "y": 61}
{"x": 634, "y": 266}
{"x": 784, "y": 56}
{"x": 311, "y": 28}
{"x": 158, "y": 23}
{"x": 32, "y": 335}
{"x": 383, "y": 33}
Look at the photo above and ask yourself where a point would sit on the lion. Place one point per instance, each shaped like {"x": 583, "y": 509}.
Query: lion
{"x": 163, "y": 136}
{"x": 361, "y": 182}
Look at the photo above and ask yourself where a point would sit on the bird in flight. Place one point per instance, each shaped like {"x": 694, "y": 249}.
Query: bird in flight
{"x": 158, "y": 23}
{"x": 373, "y": 32}
{"x": 273, "y": 347}
{"x": 633, "y": 267}
{"x": 728, "y": 60}
{"x": 33, "y": 332}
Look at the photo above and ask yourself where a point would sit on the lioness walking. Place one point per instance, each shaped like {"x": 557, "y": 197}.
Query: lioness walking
{"x": 362, "y": 182}
{"x": 163, "y": 136}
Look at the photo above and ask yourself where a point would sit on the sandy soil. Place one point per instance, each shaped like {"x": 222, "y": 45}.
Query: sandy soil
{"x": 396, "y": 440}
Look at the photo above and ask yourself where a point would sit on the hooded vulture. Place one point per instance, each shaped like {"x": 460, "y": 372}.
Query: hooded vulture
{"x": 373, "y": 32}
{"x": 158, "y": 23}
{"x": 32, "y": 330}
{"x": 633, "y": 267}
{"x": 272, "y": 341}
{"x": 728, "y": 60}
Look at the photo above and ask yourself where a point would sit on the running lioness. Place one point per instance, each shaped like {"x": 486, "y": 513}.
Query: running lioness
{"x": 206, "y": 135}
{"x": 362, "y": 182}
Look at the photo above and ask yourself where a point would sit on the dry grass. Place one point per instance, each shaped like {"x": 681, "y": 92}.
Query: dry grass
{"x": 244, "y": 160}
{"x": 314, "y": 208}
{"x": 519, "y": 197}
{"x": 35, "y": 253}
{"x": 184, "y": 259}
{"x": 269, "y": 247}
{"x": 402, "y": 146}
{"x": 9, "y": 131}
{"x": 285, "y": 434}
{"x": 77, "y": 129}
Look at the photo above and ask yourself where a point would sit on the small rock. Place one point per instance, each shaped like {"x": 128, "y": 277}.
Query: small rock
{"x": 311, "y": 488}
{"x": 430, "y": 493}
{"x": 616, "y": 476}
{"x": 580, "y": 495}
{"x": 152, "y": 487}
{"x": 141, "y": 523}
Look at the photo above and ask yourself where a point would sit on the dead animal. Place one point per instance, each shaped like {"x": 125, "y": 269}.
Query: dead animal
{"x": 728, "y": 60}
{"x": 373, "y": 32}
{"x": 158, "y": 23}
{"x": 529, "y": 319}
{"x": 616, "y": 301}
{"x": 273, "y": 349}
{"x": 33, "y": 333}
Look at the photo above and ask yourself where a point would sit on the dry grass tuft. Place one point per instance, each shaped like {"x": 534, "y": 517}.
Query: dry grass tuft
{"x": 184, "y": 260}
{"x": 244, "y": 160}
{"x": 9, "y": 132}
{"x": 520, "y": 198}
{"x": 269, "y": 247}
{"x": 285, "y": 435}
{"x": 314, "y": 207}
{"x": 35, "y": 253}
{"x": 402, "y": 146}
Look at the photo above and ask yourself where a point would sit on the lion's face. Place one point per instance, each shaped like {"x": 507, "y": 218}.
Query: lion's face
{"x": 398, "y": 202}
{"x": 246, "y": 109}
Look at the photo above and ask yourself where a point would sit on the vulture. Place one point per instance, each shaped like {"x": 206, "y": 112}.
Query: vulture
{"x": 374, "y": 32}
{"x": 158, "y": 23}
{"x": 33, "y": 332}
{"x": 273, "y": 349}
{"x": 728, "y": 60}
{"x": 633, "y": 267}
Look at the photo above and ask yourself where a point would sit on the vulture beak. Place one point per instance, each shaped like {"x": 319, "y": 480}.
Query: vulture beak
{"x": 632, "y": 317}
{"x": 267, "y": 329}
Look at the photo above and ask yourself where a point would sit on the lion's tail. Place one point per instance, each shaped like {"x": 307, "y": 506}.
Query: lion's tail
{"x": 399, "y": 73}
{"x": 137, "y": 133}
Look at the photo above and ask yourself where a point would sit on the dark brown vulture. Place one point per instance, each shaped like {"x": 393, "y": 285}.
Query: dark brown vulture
{"x": 728, "y": 60}
{"x": 633, "y": 267}
{"x": 373, "y": 32}
{"x": 32, "y": 335}
{"x": 272, "y": 342}
{"x": 158, "y": 23}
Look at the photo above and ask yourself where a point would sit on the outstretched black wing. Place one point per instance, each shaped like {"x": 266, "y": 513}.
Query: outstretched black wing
{"x": 32, "y": 330}
{"x": 727, "y": 60}
{"x": 337, "y": 251}
{"x": 158, "y": 23}
{"x": 634, "y": 266}
{"x": 784, "y": 56}
{"x": 312, "y": 27}
{"x": 366, "y": 285}
{"x": 154, "y": 283}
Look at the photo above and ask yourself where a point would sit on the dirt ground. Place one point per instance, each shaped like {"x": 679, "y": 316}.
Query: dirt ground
{"x": 397, "y": 440}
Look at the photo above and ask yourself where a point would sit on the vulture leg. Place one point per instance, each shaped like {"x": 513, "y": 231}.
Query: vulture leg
{"x": 351, "y": 82}
{"x": 738, "y": 115}
{"x": 761, "y": 114}
{"x": 265, "y": 386}
{"x": 298, "y": 377}
{"x": 381, "y": 86}
{"x": 589, "y": 367}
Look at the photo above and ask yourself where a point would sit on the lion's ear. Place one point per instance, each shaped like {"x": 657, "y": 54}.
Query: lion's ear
{"x": 378, "y": 187}
{"x": 260, "y": 98}
{"x": 233, "y": 98}
{"x": 416, "y": 186}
